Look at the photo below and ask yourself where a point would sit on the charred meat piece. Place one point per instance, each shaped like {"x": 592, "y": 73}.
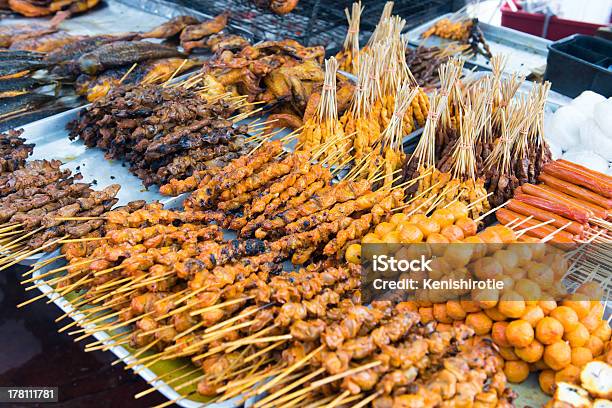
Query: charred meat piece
{"x": 171, "y": 28}
{"x": 15, "y": 67}
{"x": 10, "y": 33}
{"x": 204, "y": 29}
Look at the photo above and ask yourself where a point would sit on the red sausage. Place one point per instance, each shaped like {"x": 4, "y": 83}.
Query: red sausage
{"x": 592, "y": 209}
{"x": 558, "y": 208}
{"x": 561, "y": 237}
{"x": 543, "y": 215}
{"x": 583, "y": 169}
{"x": 600, "y": 187}
{"x": 575, "y": 191}
{"x": 544, "y": 191}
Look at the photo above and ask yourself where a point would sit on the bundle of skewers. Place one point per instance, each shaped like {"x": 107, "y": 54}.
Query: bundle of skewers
{"x": 241, "y": 324}
{"x": 166, "y": 132}
{"x": 38, "y": 199}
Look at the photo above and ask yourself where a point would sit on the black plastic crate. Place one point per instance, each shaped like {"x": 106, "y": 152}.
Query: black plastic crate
{"x": 319, "y": 22}
{"x": 579, "y": 63}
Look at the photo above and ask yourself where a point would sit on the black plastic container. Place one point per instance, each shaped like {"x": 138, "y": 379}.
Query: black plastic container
{"x": 579, "y": 63}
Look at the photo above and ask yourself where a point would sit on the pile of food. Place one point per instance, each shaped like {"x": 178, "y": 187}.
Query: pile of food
{"x": 41, "y": 8}
{"x": 463, "y": 30}
{"x": 164, "y": 133}
{"x": 38, "y": 200}
{"x": 256, "y": 284}
{"x": 571, "y": 197}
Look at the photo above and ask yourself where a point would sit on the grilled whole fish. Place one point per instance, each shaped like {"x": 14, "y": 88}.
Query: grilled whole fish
{"x": 19, "y": 55}
{"x": 171, "y": 28}
{"x": 22, "y": 103}
{"x": 15, "y": 121}
{"x": 19, "y": 85}
{"x": 124, "y": 53}
{"x": 14, "y": 67}
{"x": 73, "y": 51}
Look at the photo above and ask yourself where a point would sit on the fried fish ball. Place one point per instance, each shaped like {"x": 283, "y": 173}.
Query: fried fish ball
{"x": 533, "y": 314}
{"x": 440, "y": 313}
{"x": 498, "y": 334}
{"x": 426, "y": 314}
{"x": 531, "y": 353}
{"x": 444, "y": 217}
{"x": 493, "y": 241}
{"x": 495, "y": 314}
{"x": 392, "y": 237}
{"x": 516, "y": 371}
{"x": 478, "y": 246}
{"x": 540, "y": 274}
{"x": 595, "y": 345}
{"x": 577, "y": 337}
{"x": 522, "y": 252}
{"x": 528, "y": 289}
{"x": 470, "y": 306}
{"x": 592, "y": 290}
{"x": 370, "y": 238}
{"x": 519, "y": 333}
{"x": 548, "y": 304}
{"x": 508, "y": 354}
{"x": 458, "y": 255}
{"x": 383, "y": 229}
{"x": 427, "y": 226}
{"x": 547, "y": 381}
{"x": 455, "y": 310}
{"x": 603, "y": 331}
{"x": 479, "y": 322}
{"x": 549, "y": 330}
{"x": 398, "y": 218}
{"x": 410, "y": 233}
{"x": 512, "y": 304}
{"x": 506, "y": 234}
{"x": 486, "y": 268}
{"x": 467, "y": 225}
{"x": 569, "y": 374}
{"x": 566, "y": 316}
{"x": 486, "y": 298}
{"x": 507, "y": 259}
{"x": 581, "y": 356}
{"x": 579, "y": 302}
{"x": 558, "y": 355}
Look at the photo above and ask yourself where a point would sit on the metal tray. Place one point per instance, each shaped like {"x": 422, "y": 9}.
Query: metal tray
{"x": 117, "y": 16}
{"x": 526, "y": 53}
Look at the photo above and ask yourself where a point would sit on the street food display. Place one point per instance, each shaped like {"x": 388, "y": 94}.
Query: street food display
{"x": 253, "y": 282}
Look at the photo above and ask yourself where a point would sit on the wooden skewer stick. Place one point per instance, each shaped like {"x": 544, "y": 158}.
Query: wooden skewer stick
{"x": 552, "y": 234}
{"x": 367, "y": 400}
{"x": 473, "y": 203}
{"x": 491, "y": 211}
{"x": 518, "y": 224}
{"x": 523, "y": 231}
{"x": 291, "y": 386}
{"x": 220, "y": 305}
{"x": 290, "y": 369}
{"x": 21, "y": 238}
{"x": 57, "y": 270}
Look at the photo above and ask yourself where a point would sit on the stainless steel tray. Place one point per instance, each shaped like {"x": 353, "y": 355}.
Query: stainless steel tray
{"x": 115, "y": 16}
{"x": 526, "y": 53}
